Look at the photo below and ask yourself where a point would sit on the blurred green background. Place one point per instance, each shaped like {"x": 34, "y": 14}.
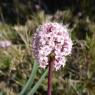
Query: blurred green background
{"x": 18, "y": 21}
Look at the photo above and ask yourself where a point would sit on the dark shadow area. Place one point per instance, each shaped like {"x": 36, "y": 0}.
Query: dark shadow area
{"x": 17, "y": 11}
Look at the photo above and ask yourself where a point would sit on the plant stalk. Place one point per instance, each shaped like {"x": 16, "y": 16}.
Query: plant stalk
{"x": 50, "y": 77}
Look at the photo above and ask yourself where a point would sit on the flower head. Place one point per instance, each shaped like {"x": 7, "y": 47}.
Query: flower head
{"x": 51, "y": 37}
{"x": 5, "y": 44}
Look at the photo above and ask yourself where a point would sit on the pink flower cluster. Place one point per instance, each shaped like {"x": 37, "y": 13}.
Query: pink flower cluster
{"x": 51, "y": 37}
{"x": 5, "y": 44}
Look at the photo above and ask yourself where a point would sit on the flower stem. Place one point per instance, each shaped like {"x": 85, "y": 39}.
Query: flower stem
{"x": 50, "y": 77}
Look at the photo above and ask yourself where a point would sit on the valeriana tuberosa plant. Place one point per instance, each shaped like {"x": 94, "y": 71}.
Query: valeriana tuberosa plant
{"x": 5, "y": 44}
{"x": 51, "y": 44}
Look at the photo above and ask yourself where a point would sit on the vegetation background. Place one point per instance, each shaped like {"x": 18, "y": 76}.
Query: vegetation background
{"x": 18, "y": 21}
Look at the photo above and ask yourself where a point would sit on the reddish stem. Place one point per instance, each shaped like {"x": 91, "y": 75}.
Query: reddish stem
{"x": 50, "y": 78}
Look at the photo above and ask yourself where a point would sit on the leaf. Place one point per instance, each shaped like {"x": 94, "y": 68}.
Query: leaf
{"x": 34, "y": 89}
{"x": 1, "y": 93}
{"x": 30, "y": 81}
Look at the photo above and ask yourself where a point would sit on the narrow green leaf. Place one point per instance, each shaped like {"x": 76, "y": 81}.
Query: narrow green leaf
{"x": 36, "y": 86}
{"x": 1, "y": 93}
{"x": 30, "y": 81}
